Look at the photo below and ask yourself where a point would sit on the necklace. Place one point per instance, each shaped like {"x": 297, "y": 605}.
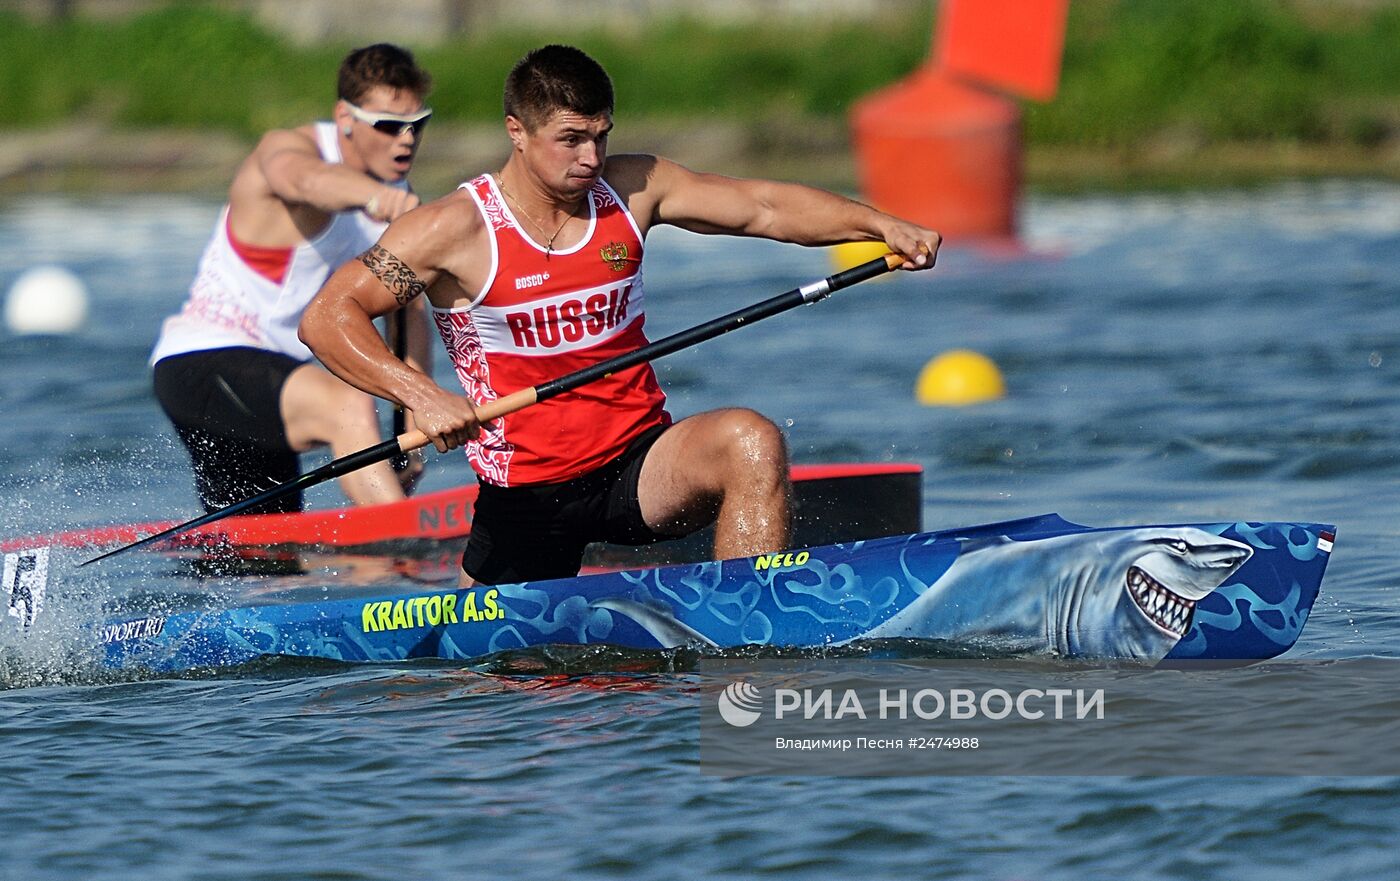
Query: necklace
{"x": 549, "y": 238}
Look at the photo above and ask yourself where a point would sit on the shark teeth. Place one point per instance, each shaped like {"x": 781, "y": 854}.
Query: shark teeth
{"x": 1166, "y": 609}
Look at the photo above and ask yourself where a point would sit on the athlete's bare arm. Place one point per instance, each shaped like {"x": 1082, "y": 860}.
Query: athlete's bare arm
{"x": 431, "y": 251}
{"x": 295, "y": 172}
{"x": 658, "y": 190}
{"x": 284, "y": 192}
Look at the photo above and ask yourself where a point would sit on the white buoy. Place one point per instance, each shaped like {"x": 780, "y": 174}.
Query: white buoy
{"x": 46, "y": 300}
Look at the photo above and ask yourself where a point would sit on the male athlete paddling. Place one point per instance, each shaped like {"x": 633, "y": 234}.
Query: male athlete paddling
{"x": 536, "y": 272}
{"x": 229, "y": 371}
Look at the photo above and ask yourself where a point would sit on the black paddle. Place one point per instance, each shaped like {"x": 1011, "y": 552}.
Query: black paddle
{"x": 492, "y": 410}
{"x": 396, "y": 329}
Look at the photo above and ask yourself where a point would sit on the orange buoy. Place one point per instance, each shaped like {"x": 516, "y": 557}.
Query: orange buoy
{"x": 941, "y": 153}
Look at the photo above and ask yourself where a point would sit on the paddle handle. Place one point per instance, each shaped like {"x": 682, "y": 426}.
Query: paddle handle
{"x": 412, "y": 440}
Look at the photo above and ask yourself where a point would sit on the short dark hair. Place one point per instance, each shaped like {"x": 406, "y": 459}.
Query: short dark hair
{"x": 554, "y": 78}
{"x": 382, "y": 64}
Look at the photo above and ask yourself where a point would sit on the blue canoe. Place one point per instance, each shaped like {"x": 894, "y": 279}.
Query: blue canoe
{"x": 1039, "y": 586}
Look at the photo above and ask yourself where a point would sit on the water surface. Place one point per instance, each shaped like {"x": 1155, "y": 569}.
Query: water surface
{"x": 1183, "y": 358}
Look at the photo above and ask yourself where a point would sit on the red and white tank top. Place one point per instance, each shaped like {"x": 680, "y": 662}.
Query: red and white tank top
{"x": 244, "y": 295}
{"x": 542, "y": 314}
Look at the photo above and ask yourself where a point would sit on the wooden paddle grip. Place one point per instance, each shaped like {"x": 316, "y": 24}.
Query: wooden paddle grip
{"x": 507, "y": 405}
{"x": 412, "y": 440}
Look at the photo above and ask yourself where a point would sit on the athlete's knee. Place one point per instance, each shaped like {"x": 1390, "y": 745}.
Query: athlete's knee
{"x": 753, "y": 444}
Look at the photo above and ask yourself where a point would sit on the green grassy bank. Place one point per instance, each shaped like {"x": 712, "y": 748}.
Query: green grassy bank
{"x": 1149, "y": 86}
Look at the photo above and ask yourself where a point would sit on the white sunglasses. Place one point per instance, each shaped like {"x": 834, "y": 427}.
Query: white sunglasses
{"x": 392, "y": 123}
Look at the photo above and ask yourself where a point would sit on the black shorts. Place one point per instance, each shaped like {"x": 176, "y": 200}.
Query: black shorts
{"x": 536, "y": 532}
{"x": 226, "y": 407}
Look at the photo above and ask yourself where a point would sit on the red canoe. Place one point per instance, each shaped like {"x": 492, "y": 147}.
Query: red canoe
{"x": 832, "y": 503}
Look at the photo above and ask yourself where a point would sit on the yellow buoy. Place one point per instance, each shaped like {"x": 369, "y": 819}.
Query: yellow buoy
{"x": 850, "y": 254}
{"x": 959, "y": 377}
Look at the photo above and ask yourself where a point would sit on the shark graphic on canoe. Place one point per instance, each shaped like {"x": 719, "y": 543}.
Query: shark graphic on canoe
{"x": 1128, "y": 594}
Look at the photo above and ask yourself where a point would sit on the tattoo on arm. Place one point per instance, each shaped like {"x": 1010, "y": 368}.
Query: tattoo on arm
{"x": 393, "y": 273}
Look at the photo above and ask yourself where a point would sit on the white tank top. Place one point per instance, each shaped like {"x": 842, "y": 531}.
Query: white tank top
{"x": 230, "y": 304}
